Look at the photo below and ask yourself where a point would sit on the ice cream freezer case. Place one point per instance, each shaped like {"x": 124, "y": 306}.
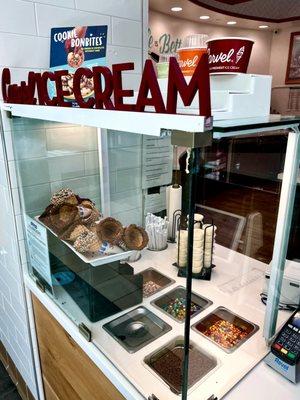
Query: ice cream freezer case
{"x": 86, "y": 247}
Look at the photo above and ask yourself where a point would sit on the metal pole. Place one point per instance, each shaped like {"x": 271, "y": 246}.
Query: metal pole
{"x": 194, "y": 166}
{"x": 284, "y": 219}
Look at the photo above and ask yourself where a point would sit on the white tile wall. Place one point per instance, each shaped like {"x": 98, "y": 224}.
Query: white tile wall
{"x": 22, "y": 21}
{"x": 24, "y": 45}
{"x": 131, "y": 9}
{"x": 50, "y": 16}
{"x": 126, "y": 32}
{"x": 125, "y": 167}
{"x": 23, "y": 51}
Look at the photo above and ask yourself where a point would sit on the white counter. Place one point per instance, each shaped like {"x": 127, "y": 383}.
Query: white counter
{"x": 236, "y": 284}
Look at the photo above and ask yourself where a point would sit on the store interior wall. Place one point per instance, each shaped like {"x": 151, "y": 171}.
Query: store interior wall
{"x": 25, "y": 46}
{"x": 180, "y": 28}
{"x": 282, "y": 94}
{"x": 280, "y": 53}
{"x": 269, "y": 54}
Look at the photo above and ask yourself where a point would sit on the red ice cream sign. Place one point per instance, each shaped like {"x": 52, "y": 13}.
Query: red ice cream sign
{"x": 227, "y": 55}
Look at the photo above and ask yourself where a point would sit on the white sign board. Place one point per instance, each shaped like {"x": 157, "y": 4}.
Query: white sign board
{"x": 38, "y": 248}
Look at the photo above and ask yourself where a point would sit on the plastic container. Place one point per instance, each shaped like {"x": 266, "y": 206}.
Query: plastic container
{"x": 163, "y": 65}
{"x": 194, "y": 46}
{"x": 229, "y": 54}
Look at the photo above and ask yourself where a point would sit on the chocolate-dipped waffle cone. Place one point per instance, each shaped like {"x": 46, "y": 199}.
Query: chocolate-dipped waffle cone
{"x": 64, "y": 196}
{"x": 109, "y": 230}
{"x": 135, "y": 237}
{"x": 87, "y": 242}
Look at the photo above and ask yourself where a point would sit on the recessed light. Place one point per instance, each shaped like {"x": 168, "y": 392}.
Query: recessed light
{"x": 204, "y": 17}
{"x": 231, "y": 23}
{"x": 264, "y": 26}
{"x": 176, "y": 9}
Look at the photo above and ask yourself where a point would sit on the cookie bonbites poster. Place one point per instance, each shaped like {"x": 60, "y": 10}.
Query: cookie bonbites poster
{"x": 74, "y": 47}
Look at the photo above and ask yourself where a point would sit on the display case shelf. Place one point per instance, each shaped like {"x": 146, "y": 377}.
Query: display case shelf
{"x": 147, "y": 123}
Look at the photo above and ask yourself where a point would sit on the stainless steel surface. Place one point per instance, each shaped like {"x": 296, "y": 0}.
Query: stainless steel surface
{"x": 151, "y": 274}
{"x": 222, "y": 313}
{"x": 180, "y": 291}
{"x": 136, "y": 329}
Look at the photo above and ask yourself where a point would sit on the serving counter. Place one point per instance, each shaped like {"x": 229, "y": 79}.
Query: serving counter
{"x": 128, "y": 372}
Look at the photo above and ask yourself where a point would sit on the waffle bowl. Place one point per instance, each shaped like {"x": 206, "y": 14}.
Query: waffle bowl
{"x": 135, "y": 237}
{"x": 109, "y": 230}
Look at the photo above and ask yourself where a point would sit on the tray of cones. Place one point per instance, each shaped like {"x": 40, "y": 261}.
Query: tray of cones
{"x": 94, "y": 259}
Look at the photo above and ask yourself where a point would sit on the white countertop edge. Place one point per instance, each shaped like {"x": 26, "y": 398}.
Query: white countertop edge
{"x": 102, "y": 362}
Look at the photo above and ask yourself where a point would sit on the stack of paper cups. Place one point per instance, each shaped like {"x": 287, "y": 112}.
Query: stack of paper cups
{"x": 210, "y": 234}
{"x": 182, "y": 248}
{"x": 198, "y": 218}
{"x": 197, "y": 250}
{"x": 174, "y": 194}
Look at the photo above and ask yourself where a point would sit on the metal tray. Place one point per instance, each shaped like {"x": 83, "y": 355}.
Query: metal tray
{"x": 151, "y": 274}
{"x": 167, "y": 364}
{"x": 136, "y": 329}
{"x": 220, "y": 314}
{"x": 201, "y": 302}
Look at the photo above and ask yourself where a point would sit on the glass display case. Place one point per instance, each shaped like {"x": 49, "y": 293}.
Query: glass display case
{"x": 185, "y": 319}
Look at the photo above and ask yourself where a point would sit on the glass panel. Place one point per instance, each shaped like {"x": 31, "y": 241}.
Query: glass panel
{"x": 50, "y": 157}
{"x": 294, "y": 240}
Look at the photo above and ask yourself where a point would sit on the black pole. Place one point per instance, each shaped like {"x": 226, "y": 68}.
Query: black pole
{"x": 194, "y": 166}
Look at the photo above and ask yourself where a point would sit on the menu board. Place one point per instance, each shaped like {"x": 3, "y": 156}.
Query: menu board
{"x": 38, "y": 248}
{"x": 74, "y": 47}
{"x": 157, "y": 161}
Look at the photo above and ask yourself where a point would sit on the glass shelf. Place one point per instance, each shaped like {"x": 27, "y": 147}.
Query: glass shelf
{"x": 242, "y": 126}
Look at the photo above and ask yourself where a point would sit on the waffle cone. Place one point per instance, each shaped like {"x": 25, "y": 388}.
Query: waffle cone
{"x": 135, "y": 237}
{"x": 87, "y": 242}
{"x": 62, "y": 217}
{"x": 74, "y": 232}
{"x": 109, "y": 230}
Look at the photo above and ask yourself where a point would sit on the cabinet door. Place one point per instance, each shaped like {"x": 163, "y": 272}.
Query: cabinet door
{"x": 68, "y": 373}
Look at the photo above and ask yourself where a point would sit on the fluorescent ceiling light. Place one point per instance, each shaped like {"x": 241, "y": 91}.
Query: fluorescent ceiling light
{"x": 204, "y": 17}
{"x": 176, "y": 9}
{"x": 263, "y": 26}
{"x": 231, "y": 23}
